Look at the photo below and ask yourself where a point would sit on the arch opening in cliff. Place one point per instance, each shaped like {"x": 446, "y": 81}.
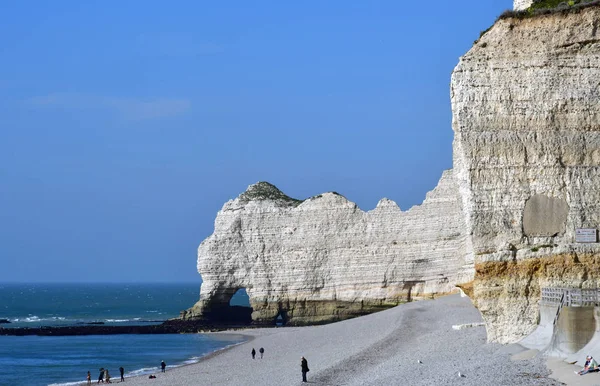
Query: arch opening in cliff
{"x": 281, "y": 318}
{"x": 229, "y": 306}
{"x": 240, "y": 298}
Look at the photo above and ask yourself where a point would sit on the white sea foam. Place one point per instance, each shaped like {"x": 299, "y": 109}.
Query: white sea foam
{"x": 117, "y": 320}
{"x": 67, "y": 383}
{"x": 142, "y": 371}
{"x": 37, "y": 319}
{"x": 192, "y": 360}
{"x": 152, "y": 370}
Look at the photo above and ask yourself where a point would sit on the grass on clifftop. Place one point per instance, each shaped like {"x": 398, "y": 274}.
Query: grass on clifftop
{"x": 266, "y": 191}
{"x": 544, "y": 7}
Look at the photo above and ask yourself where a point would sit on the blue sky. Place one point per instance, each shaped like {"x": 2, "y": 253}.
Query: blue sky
{"x": 125, "y": 126}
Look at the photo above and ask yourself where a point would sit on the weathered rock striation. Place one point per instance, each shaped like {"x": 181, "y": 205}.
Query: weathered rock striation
{"x": 526, "y": 116}
{"x": 501, "y": 224}
{"x": 324, "y": 259}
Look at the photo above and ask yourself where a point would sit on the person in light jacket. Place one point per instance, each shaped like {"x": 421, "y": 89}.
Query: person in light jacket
{"x": 589, "y": 365}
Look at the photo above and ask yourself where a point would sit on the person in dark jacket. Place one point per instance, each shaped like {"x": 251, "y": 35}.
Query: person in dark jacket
{"x": 101, "y": 376}
{"x": 305, "y": 369}
{"x": 163, "y": 365}
{"x": 122, "y": 371}
{"x": 261, "y": 351}
{"x": 253, "y": 352}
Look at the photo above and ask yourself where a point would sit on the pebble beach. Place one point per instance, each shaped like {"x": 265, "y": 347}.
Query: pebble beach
{"x": 412, "y": 344}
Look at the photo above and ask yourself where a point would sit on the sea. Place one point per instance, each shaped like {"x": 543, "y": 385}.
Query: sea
{"x": 65, "y": 360}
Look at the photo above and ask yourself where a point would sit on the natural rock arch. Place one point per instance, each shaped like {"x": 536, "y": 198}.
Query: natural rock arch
{"x": 218, "y": 309}
{"x": 324, "y": 259}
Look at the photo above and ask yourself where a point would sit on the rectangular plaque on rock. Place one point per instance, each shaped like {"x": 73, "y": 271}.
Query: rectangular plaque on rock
{"x": 586, "y": 235}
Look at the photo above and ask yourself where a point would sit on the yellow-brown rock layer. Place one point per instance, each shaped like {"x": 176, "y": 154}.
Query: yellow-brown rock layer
{"x": 526, "y": 118}
{"x": 500, "y": 287}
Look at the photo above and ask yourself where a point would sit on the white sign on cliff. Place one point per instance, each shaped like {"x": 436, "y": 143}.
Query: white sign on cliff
{"x": 586, "y": 235}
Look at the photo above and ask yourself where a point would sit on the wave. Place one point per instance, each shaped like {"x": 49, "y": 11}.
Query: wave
{"x": 65, "y": 320}
{"x": 155, "y": 369}
{"x": 37, "y": 319}
{"x": 141, "y": 320}
{"x": 191, "y": 361}
{"x": 68, "y": 383}
{"x": 142, "y": 371}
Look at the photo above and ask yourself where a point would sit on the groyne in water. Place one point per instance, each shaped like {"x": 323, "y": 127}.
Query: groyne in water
{"x": 168, "y": 327}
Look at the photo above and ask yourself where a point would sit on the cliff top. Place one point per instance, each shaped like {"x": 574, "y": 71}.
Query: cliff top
{"x": 544, "y": 7}
{"x": 265, "y": 191}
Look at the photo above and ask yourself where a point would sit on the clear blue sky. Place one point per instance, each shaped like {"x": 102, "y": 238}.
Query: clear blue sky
{"x": 125, "y": 126}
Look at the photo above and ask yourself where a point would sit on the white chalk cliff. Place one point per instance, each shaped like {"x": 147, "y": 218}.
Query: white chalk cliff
{"x": 526, "y": 117}
{"x": 501, "y": 224}
{"x": 325, "y": 259}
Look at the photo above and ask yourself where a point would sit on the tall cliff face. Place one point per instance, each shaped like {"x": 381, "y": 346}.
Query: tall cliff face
{"x": 324, "y": 259}
{"x": 526, "y": 116}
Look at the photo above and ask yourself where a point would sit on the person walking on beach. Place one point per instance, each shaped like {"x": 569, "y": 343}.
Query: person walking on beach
{"x": 122, "y": 371}
{"x": 305, "y": 369}
{"x": 163, "y": 365}
{"x": 261, "y": 351}
{"x": 89, "y": 378}
{"x": 107, "y": 376}
{"x": 253, "y": 352}
{"x": 101, "y": 376}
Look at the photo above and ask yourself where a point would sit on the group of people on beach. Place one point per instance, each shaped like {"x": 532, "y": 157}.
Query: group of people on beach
{"x": 303, "y": 362}
{"x": 104, "y": 376}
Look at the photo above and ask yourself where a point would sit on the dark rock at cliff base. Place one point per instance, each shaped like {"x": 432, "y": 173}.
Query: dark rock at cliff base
{"x": 4, "y": 321}
{"x": 169, "y": 327}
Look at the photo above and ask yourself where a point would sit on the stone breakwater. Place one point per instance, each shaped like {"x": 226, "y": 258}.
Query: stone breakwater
{"x": 526, "y": 118}
{"x": 168, "y": 327}
{"x": 501, "y": 224}
{"x": 324, "y": 259}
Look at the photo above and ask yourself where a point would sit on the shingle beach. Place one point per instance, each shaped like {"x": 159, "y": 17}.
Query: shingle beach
{"x": 412, "y": 344}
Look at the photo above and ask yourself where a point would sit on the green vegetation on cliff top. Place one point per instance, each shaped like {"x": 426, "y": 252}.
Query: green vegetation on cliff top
{"x": 266, "y": 191}
{"x": 544, "y": 7}
{"x": 551, "y": 4}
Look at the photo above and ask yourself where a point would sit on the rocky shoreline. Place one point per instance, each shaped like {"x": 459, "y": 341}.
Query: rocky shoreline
{"x": 168, "y": 327}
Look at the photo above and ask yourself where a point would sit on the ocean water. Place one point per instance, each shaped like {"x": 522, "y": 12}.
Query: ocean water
{"x": 43, "y": 360}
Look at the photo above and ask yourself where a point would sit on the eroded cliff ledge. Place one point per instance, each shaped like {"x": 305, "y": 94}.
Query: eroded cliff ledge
{"x": 324, "y": 259}
{"x": 526, "y": 116}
